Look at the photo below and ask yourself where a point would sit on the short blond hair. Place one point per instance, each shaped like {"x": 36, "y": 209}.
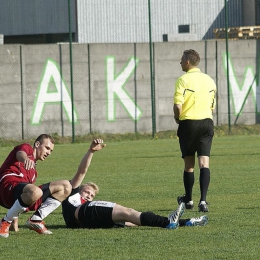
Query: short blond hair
{"x": 91, "y": 184}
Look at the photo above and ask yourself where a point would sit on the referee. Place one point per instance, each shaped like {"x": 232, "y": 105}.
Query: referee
{"x": 194, "y": 101}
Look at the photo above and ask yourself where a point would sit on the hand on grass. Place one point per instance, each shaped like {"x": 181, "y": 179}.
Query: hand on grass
{"x": 14, "y": 225}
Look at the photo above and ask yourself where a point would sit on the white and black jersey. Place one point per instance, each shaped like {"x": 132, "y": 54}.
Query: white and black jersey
{"x": 69, "y": 207}
{"x": 92, "y": 214}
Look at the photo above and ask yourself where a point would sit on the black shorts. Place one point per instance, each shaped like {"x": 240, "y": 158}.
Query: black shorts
{"x": 96, "y": 214}
{"x": 195, "y": 136}
{"x": 18, "y": 190}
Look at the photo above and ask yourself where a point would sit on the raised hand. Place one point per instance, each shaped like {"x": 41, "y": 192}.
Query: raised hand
{"x": 97, "y": 145}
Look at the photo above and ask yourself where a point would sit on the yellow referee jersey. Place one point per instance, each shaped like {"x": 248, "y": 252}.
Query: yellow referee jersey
{"x": 195, "y": 91}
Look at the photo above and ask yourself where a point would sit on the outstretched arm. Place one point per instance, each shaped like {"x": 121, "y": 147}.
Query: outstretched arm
{"x": 96, "y": 145}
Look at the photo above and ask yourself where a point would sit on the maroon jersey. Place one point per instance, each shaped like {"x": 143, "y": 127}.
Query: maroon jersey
{"x": 11, "y": 167}
{"x": 13, "y": 172}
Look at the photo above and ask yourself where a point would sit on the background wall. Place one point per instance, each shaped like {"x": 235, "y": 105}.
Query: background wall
{"x": 111, "y": 90}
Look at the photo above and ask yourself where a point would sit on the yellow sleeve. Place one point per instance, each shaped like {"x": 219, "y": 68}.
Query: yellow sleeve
{"x": 179, "y": 91}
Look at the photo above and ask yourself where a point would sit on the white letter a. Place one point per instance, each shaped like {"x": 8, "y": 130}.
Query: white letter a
{"x": 52, "y": 74}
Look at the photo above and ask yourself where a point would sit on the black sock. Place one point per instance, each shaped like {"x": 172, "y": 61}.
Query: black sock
{"x": 152, "y": 220}
{"x": 204, "y": 183}
{"x": 188, "y": 181}
{"x": 182, "y": 222}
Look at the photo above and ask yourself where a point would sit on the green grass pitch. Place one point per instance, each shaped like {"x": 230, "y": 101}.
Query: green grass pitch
{"x": 147, "y": 175}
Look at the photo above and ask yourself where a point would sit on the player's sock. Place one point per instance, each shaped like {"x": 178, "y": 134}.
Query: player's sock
{"x": 18, "y": 207}
{"x": 204, "y": 182}
{"x": 188, "y": 180}
{"x": 47, "y": 207}
{"x": 152, "y": 220}
{"x": 182, "y": 222}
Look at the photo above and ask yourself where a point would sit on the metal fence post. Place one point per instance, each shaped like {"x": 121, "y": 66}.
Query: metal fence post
{"x": 227, "y": 55}
{"x": 71, "y": 74}
{"x": 152, "y": 73}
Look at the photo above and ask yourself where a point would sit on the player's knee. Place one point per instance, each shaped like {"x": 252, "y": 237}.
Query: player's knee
{"x": 60, "y": 190}
{"x": 129, "y": 211}
{"x": 37, "y": 193}
{"x": 66, "y": 188}
{"x": 121, "y": 211}
{"x": 31, "y": 194}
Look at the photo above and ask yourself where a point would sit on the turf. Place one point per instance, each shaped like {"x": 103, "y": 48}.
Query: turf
{"x": 147, "y": 175}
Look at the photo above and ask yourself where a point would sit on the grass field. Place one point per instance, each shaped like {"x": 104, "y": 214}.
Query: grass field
{"x": 147, "y": 175}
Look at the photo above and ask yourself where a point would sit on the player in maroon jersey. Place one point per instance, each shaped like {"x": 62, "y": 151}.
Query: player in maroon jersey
{"x": 19, "y": 194}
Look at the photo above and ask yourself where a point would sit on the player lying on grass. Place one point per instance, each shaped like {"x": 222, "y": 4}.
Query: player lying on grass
{"x": 80, "y": 211}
